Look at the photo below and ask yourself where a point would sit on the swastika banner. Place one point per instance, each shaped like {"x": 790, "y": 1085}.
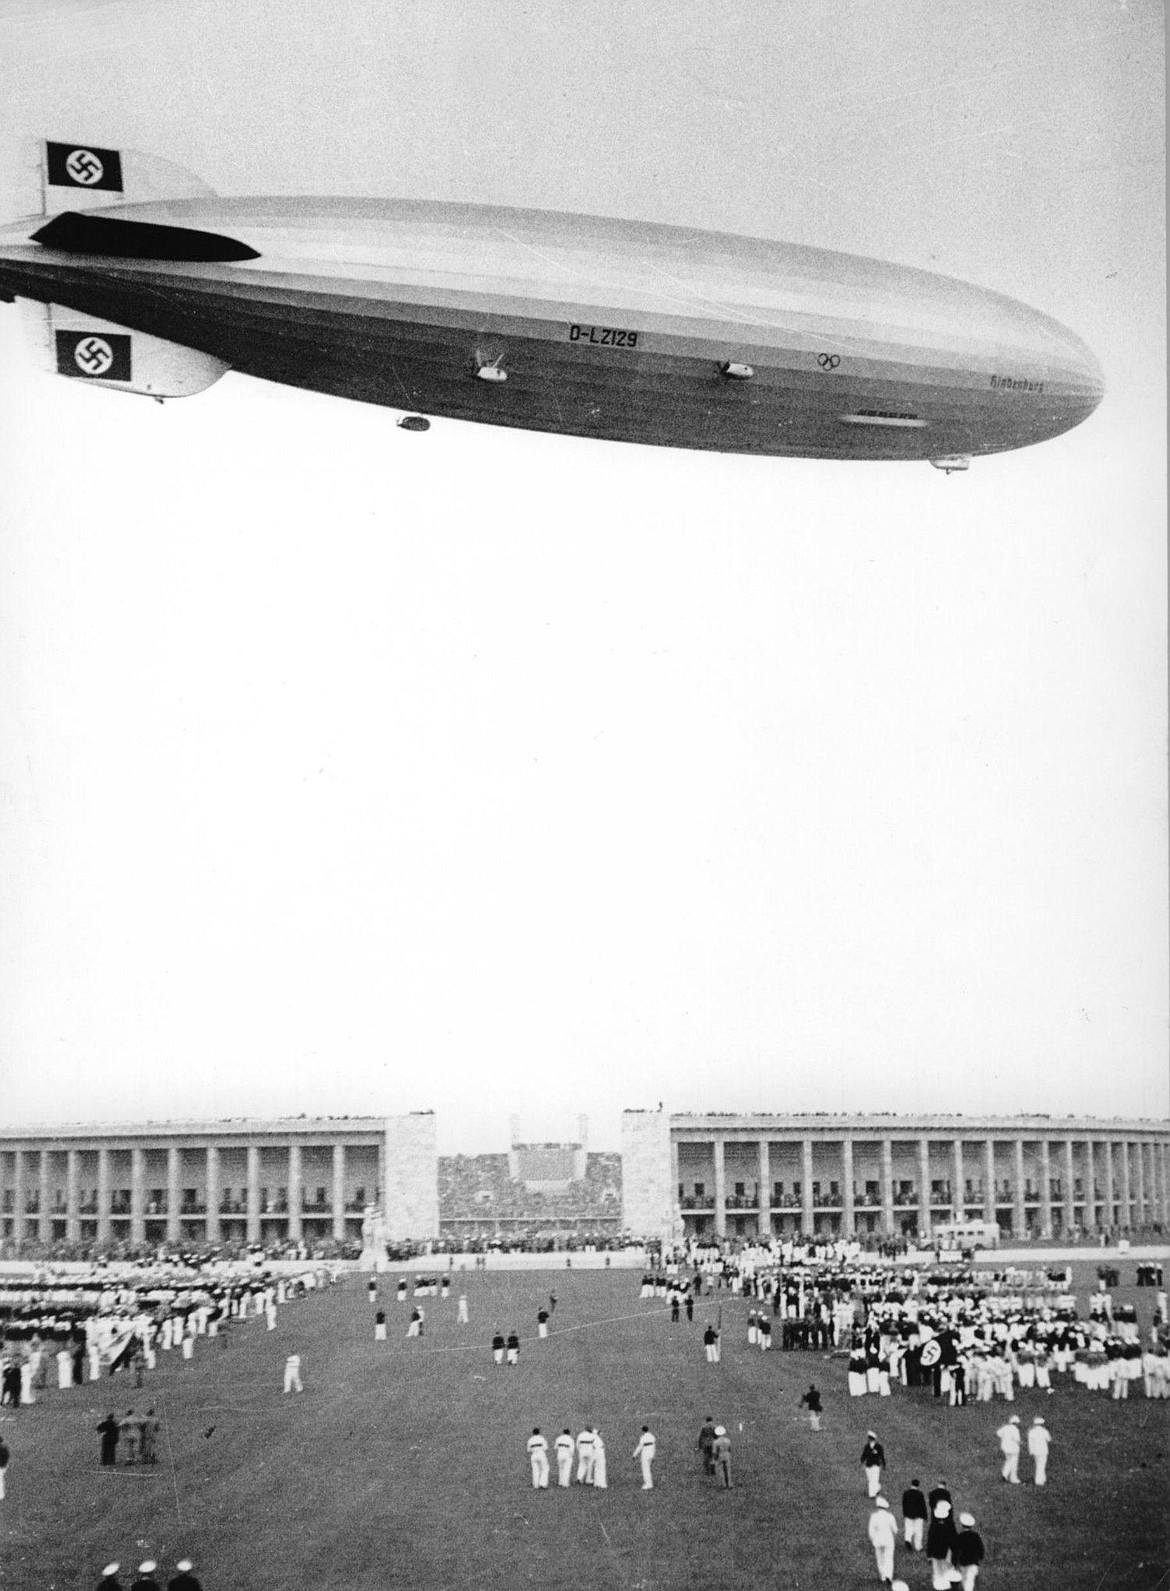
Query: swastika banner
{"x": 94, "y": 355}
{"x": 83, "y": 166}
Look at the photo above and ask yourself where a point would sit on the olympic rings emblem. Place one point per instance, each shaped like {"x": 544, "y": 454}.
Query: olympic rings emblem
{"x": 828, "y": 361}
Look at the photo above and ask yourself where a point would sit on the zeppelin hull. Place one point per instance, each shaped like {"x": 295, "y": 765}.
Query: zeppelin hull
{"x": 557, "y": 369}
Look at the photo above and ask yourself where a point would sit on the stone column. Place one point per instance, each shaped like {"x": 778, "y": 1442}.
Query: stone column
{"x": 1045, "y": 1189}
{"x": 958, "y": 1191}
{"x": 1107, "y": 1179}
{"x": 888, "y": 1186}
{"x": 73, "y": 1195}
{"x": 1090, "y": 1181}
{"x": 19, "y": 1215}
{"x": 1126, "y": 1190}
{"x": 174, "y": 1191}
{"x": 848, "y": 1213}
{"x": 103, "y": 1196}
{"x": 138, "y": 1194}
{"x": 675, "y": 1194}
{"x": 338, "y": 1191}
{"x": 1070, "y": 1187}
{"x": 807, "y": 1219}
{"x": 296, "y": 1193}
{"x": 720, "y": 1189}
{"x": 1019, "y": 1209}
{"x": 211, "y": 1175}
{"x": 1143, "y": 1162}
{"x": 1160, "y": 1212}
{"x": 253, "y": 1194}
{"x": 764, "y": 1202}
{"x": 44, "y": 1223}
{"x": 925, "y": 1222}
{"x": 989, "y": 1200}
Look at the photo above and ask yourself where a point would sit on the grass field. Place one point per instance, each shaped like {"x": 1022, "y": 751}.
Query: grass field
{"x": 403, "y": 1464}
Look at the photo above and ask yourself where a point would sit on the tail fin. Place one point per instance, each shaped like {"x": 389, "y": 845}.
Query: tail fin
{"x": 86, "y": 177}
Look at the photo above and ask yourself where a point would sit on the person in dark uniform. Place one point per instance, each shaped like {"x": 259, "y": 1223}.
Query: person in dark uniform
{"x": 967, "y": 1552}
{"x": 940, "y": 1541}
{"x": 873, "y": 1458}
{"x": 674, "y": 1309}
{"x": 706, "y": 1443}
{"x": 812, "y": 1402}
{"x": 940, "y": 1492}
{"x": 690, "y": 1307}
{"x": 184, "y": 1580}
{"x": 513, "y": 1348}
{"x": 109, "y": 1432}
{"x": 498, "y": 1348}
{"x": 914, "y": 1516}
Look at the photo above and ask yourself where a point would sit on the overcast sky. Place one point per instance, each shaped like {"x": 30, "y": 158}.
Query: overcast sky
{"x": 352, "y": 770}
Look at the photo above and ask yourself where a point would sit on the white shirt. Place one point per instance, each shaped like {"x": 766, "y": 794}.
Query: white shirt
{"x": 645, "y": 1445}
{"x": 883, "y": 1528}
{"x": 537, "y": 1444}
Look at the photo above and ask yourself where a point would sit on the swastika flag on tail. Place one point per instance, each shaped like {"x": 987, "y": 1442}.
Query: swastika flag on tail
{"x": 94, "y": 356}
{"x": 83, "y": 166}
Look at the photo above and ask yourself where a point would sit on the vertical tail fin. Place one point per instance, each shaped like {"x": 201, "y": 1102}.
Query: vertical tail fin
{"x": 87, "y": 176}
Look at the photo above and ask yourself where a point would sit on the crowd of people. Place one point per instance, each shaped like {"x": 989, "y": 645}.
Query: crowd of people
{"x": 953, "y": 1333}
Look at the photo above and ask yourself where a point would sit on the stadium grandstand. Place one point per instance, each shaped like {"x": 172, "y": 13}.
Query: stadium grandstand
{"x": 541, "y": 1194}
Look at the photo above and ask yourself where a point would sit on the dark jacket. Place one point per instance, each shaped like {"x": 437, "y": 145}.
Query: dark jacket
{"x": 873, "y": 1453}
{"x": 968, "y": 1549}
{"x": 914, "y": 1503}
{"x": 941, "y": 1536}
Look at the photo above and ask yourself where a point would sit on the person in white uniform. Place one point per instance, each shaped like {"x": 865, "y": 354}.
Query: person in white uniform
{"x": 564, "y": 1447}
{"x": 1039, "y": 1441}
{"x": 1009, "y": 1446}
{"x": 645, "y": 1451}
{"x": 538, "y": 1453}
{"x": 883, "y": 1534}
{"x": 599, "y": 1478}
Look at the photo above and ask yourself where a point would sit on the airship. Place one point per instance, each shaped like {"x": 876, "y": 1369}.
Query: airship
{"x": 137, "y": 277}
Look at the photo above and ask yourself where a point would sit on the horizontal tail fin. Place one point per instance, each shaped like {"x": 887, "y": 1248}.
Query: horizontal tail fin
{"x": 69, "y": 342}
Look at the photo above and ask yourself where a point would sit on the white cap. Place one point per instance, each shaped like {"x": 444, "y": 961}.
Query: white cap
{"x": 148, "y": 1567}
{"x": 1015, "y": 1419}
{"x": 1038, "y": 1420}
{"x": 720, "y": 1431}
{"x": 967, "y": 1519}
{"x": 110, "y": 1568}
{"x": 184, "y": 1565}
{"x": 880, "y": 1502}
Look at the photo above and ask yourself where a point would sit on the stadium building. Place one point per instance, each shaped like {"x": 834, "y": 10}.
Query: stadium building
{"x": 317, "y": 1179}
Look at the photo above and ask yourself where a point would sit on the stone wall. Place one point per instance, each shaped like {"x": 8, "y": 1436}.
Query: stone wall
{"x": 648, "y": 1192}
{"x": 410, "y": 1199}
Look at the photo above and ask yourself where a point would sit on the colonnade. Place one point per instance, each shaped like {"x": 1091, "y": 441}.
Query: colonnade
{"x": 43, "y": 1198}
{"x": 894, "y": 1182}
